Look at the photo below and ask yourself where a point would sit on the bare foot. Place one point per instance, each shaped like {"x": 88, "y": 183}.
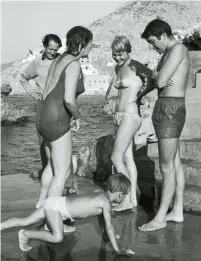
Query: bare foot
{"x": 67, "y": 229}
{"x": 173, "y": 217}
{"x": 152, "y": 225}
{"x": 23, "y": 241}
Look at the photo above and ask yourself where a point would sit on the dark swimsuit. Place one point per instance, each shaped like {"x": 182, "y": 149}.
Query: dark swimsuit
{"x": 52, "y": 116}
{"x": 141, "y": 70}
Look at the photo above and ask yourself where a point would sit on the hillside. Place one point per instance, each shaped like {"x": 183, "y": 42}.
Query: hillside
{"x": 131, "y": 19}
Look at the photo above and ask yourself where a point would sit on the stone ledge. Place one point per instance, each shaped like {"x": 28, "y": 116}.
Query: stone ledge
{"x": 151, "y": 195}
{"x": 148, "y": 167}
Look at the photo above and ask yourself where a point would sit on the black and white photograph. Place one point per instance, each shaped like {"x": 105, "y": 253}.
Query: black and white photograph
{"x": 100, "y": 130}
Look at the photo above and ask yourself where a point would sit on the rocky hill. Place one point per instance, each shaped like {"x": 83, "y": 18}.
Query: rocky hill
{"x": 131, "y": 19}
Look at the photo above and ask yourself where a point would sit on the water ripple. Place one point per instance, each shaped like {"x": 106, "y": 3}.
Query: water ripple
{"x": 19, "y": 143}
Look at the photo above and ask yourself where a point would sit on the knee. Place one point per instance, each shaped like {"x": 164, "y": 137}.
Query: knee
{"x": 63, "y": 173}
{"x": 128, "y": 158}
{"x": 58, "y": 238}
{"x": 167, "y": 168}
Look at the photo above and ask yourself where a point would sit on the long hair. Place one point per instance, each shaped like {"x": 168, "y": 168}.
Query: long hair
{"x": 77, "y": 38}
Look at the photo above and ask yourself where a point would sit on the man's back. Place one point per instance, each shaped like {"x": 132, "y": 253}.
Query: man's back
{"x": 87, "y": 205}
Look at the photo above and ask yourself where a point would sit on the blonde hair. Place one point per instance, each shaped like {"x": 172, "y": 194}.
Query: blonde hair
{"x": 118, "y": 182}
{"x": 121, "y": 44}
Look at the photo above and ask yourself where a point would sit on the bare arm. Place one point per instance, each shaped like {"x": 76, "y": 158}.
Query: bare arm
{"x": 168, "y": 69}
{"x": 28, "y": 73}
{"x": 71, "y": 79}
{"x": 109, "y": 226}
{"x": 150, "y": 86}
{"x": 110, "y": 86}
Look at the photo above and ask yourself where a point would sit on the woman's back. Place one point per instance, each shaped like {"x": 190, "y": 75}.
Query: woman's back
{"x": 53, "y": 118}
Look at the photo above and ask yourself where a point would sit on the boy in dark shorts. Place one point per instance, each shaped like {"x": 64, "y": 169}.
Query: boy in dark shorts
{"x": 57, "y": 209}
{"x": 168, "y": 117}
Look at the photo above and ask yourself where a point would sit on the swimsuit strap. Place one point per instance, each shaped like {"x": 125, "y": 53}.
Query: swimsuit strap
{"x": 58, "y": 77}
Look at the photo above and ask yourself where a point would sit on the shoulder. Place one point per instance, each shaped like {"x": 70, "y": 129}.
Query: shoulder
{"x": 73, "y": 67}
{"x": 179, "y": 48}
{"x": 103, "y": 199}
{"x": 38, "y": 58}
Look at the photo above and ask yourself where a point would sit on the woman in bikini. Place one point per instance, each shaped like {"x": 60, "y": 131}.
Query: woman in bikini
{"x": 59, "y": 110}
{"x": 130, "y": 76}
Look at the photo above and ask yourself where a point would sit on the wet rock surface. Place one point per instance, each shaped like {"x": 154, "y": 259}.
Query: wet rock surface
{"x": 176, "y": 242}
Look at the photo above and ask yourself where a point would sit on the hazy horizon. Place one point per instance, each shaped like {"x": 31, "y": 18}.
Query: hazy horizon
{"x": 23, "y": 24}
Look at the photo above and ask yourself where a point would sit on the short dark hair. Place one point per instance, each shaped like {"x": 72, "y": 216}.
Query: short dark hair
{"x": 76, "y": 37}
{"x": 121, "y": 44}
{"x": 118, "y": 182}
{"x": 51, "y": 37}
{"x": 156, "y": 28}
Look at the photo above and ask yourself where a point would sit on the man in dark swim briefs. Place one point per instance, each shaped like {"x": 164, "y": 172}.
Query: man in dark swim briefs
{"x": 168, "y": 118}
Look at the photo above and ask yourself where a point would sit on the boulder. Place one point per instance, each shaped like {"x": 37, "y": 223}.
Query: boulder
{"x": 5, "y": 88}
{"x": 10, "y": 114}
{"x": 93, "y": 160}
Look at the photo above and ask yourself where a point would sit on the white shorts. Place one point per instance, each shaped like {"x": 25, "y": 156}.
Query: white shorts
{"x": 58, "y": 204}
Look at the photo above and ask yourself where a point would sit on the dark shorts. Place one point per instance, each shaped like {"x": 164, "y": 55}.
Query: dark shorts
{"x": 169, "y": 117}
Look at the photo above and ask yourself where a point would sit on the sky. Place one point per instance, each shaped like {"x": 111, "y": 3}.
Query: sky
{"x": 24, "y": 23}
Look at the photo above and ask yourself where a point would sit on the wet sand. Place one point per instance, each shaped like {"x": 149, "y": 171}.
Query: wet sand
{"x": 176, "y": 242}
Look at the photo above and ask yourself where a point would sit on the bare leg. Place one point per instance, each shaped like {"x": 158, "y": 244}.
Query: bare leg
{"x": 43, "y": 156}
{"x": 131, "y": 167}
{"x": 46, "y": 178}
{"x": 123, "y": 138}
{"x": 61, "y": 153}
{"x": 72, "y": 187}
{"x": 35, "y": 217}
{"x": 167, "y": 154}
{"x": 176, "y": 214}
{"x": 55, "y": 236}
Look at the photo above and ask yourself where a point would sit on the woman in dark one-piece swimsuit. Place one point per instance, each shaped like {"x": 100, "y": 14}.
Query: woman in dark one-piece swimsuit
{"x": 59, "y": 109}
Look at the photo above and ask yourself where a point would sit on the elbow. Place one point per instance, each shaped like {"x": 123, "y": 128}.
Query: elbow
{"x": 69, "y": 102}
{"x": 160, "y": 84}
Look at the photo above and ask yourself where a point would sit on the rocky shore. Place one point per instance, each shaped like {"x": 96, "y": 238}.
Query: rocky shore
{"x": 9, "y": 113}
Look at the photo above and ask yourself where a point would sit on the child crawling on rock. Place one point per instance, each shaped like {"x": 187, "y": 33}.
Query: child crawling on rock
{"x": 57, "y": 209}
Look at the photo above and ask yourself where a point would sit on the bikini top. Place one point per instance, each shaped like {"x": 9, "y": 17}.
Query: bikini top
{"x": 124, "y": 83}
{"x": 141, "y": 70}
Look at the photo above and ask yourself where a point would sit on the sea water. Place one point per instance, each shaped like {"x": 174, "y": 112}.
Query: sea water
{"x": 19, "y": 143}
